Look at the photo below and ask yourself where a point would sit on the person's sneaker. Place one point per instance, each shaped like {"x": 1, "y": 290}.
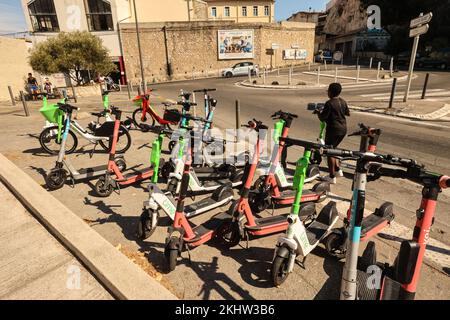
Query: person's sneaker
{"x": 340, "y": 173}
{"x": 329, "y": 179}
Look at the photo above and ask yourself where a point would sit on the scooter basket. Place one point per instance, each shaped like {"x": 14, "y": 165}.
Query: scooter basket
{"x": 52, "y": 113}
{"x": 172, "y": 115}
{"x": 137, "y": 101}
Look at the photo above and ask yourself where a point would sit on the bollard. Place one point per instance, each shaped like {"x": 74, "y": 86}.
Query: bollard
{"x": 129, "y": 90}
{"x": 264, "y": 76}
{"x": 249, "y": 76}
{"x": 238, "y": 119}
{"x": 358, "y": 71}
{"x": 378, "y": 71}
{"x": 357, "y": 62}
{"x": 11, "y": 94}
{"x": 325, "y": 63}
{"x": 336, "y": 75}
{"x": 318, "y": 76}
{"x": 74, "y": 95}
{"x": 425, "y": 85}
{"x": 290, "y": 76}
{"x": 391, "y": 67}
{"x": 394, "y": 86}
{"x": 370, "y": 63}
{"x": 139, "y": 89}
{"x": 24, "y": 103}
{"x": 309, "y": 66}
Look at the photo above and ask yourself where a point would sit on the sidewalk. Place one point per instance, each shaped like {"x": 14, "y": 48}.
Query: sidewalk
{"x": 33, "y": 264}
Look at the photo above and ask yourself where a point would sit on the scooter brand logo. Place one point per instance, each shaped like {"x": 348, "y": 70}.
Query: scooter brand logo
{"x": 374, "y": 17}
{"x": 167, "y": 204}
{"x": 374, "y": 280}
{"x": 74, "y": 278}
{"x": 426, "y": 236}
{"x": 73, "y": 17}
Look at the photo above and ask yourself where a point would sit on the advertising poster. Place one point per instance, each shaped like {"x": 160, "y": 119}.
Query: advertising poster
{"x": 235, "y": 44}
{"x": 295, "y": 54}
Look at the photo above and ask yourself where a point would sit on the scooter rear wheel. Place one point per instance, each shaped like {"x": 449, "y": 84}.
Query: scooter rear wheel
{"x": 123, "y": 141}
{"x": 279, "y": 270}
{"x": 103, "y": 189}
{"x": 55, "y": 179}
{"x": 334, "y": 245}
{"x": 229, "y": 234}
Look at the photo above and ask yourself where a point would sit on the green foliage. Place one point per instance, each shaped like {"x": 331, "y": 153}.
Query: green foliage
{"x": 70, "y": 53}
{"x": 396, "y": 15}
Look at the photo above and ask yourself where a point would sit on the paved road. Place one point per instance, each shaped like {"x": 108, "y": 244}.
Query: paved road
{"x": 242, "y": 273}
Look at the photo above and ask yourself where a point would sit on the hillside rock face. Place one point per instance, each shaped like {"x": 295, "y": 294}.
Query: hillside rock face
{"x": 346, "y": 16}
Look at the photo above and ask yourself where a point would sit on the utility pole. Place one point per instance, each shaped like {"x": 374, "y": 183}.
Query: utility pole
{"x": 144, "y": 83}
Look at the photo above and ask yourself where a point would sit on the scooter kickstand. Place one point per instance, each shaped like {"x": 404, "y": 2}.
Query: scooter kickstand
{"x": 72, "y": 180}
{"x": 189, "y": 254}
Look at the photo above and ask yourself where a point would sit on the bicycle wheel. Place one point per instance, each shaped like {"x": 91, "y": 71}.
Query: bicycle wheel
{"x": 49, "y": 141}
{"x": 137, "y": 118}
{"x": 123, "y": 142}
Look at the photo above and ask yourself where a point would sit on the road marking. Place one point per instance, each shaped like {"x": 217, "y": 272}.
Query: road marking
{"x": 412, "y": 92}
{"x": 437, "y": 252}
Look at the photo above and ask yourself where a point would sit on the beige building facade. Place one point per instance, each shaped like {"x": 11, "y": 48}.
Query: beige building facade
{"x": 14, "y": 66}
{"x": 242, "y": 11}
{"x": 193, "y": 49}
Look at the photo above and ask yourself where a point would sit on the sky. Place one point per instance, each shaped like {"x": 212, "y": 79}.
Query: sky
{"x": 12, "y": 19}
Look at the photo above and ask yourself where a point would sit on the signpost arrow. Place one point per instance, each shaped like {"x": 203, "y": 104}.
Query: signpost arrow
{"x": 421, "y": 20}
{"x": 419, "y": 31}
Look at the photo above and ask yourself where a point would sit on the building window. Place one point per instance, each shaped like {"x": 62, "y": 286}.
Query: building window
{"x": 244, "y": 11}
{"x": 255, "y": 11}
{"x": 266, "y": 11}
{"x": 43, "y": 16}
{"x": 226, "y": 12}
{"x": 214, "y": 11}
{"x": 99, "y": 15}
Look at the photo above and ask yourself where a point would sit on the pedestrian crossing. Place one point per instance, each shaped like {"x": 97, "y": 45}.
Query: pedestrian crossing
{"x": 431, "y": 95}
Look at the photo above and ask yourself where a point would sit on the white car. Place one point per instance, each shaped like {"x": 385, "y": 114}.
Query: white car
{"x": 240, "y": 69}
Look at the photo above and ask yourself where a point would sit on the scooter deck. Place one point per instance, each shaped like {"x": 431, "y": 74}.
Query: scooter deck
{"x": 212, "y": 185}
{"x": 142, "y": 172}
{"x": 268, "y": 221}
{"x": 204, "y": 205}
{"x": 372, "y": 224}
{"x": 289, "y": 195}
{"x": 86, "y": 173}
{"x": 205, "y": 231}
{"x": 316, "y": 231}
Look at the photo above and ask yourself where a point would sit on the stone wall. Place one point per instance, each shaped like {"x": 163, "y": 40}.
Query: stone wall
{"x": 192, "y": 47}
{"x": 13, "y": 65}
{"x": 346, "y": 16}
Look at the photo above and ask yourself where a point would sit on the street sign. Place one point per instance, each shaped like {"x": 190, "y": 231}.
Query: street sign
{"x": 270, "y": 52}
{"x": 421, "y": 20}
{"x": 419, "y": 31}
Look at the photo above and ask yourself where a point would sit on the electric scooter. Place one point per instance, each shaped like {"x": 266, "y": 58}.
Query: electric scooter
{"x": 63, "y": 169}
{"x": 300, "y": 240}
{"x": 244, "y": 223}
{"x": 164, "y": 201}
{"x": 114, "y": 178}
{"x": 400, "y": 280}
{"x": 184, "y": 234}
{"x": 336, "y": 243}
{"x": 274, "y": 189}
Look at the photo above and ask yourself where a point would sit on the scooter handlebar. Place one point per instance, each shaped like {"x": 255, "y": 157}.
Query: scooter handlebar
{"x": 190, "y": 117}
{"x": 305, "y": 144}
{"x": 281, "y": 114}
{"x": 67, "y": 107}
{"x": 205, "y": 90}
{"x": 186, "y": 103}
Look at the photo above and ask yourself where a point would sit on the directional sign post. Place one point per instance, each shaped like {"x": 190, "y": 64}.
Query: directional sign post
{"x": 418, "y": 26}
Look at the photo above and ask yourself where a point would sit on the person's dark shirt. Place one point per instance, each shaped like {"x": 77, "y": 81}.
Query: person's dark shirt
{"x": 334, "y": 113}
{"x": 32, "y": 81}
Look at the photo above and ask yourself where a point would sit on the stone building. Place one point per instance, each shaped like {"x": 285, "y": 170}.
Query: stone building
{"x": 180, "y": 50}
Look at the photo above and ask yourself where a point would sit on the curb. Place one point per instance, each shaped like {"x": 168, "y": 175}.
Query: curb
{"x": 119, "y": 275}
{"x": 440, "y": 113}
{"x": 244, "y": 84}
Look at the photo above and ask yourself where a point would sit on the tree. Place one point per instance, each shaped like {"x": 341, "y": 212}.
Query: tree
{"x": 69, "y": 53}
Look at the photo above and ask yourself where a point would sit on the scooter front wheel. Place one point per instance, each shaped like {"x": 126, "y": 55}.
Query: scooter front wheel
{"x": 102, "y": 188}
{"x": 171, "y": 253}
{"x": 334, "y": 244}
{"x": 55, "y": 179}
{"x": 138, "y": 120}
{"x": 229, "y": 234}
{"x": 123, "y": 141}
{"x": 279, "y": 270}
{"x": 145, "y": 226}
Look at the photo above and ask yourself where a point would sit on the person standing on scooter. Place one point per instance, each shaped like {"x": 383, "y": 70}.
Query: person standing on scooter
{"x": 334, "y": 115}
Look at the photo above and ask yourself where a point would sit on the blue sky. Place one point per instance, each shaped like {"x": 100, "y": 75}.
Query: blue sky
{"x": 12, "y": 19}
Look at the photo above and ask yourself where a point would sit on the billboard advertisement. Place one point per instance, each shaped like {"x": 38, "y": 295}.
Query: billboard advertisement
{"x": 295, "y": 54}
{"x": 235, "y": 44}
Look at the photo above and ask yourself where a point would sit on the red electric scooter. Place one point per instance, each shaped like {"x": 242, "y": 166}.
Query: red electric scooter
{"x": 273, "y": 188}
{"x": 185, "y": 234}
{"x": 244, "y": 222}
{"x": 114, "y": 178}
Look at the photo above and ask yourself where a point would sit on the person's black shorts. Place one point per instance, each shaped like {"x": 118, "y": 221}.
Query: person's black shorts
{"x": 334, "y": 139}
